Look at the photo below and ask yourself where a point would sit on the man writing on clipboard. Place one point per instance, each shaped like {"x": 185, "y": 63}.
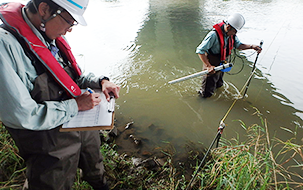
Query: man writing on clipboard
{"x": 40, "y": 85}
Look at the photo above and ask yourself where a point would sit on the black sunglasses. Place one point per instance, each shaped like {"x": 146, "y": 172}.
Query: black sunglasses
{"x": 73, "y": 23}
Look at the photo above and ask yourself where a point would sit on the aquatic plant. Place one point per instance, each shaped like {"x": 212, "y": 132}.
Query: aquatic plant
{"x": 252, "y": 164}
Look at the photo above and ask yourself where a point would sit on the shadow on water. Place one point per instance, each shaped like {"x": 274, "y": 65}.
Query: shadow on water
{"x": 169, "y": 119}
{"x": 164, "y": 50}
{"x": 141, "y": 45}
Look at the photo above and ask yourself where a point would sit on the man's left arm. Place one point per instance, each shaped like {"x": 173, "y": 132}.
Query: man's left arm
{"x": 242, "y": 46}
{"x": 102, "y": 82}
{"x": 250, "y": 46}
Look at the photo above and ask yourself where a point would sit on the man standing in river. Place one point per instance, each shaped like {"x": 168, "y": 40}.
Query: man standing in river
{"x": 215, "y": 49}
{"x": 40, "y": 85}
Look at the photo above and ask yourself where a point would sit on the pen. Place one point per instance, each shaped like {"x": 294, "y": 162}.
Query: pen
{"x": 89, "y": 90}
{"x": 111, "y": 104}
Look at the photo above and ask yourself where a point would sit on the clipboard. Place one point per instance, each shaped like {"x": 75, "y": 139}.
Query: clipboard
{"x": 101, "y": 117}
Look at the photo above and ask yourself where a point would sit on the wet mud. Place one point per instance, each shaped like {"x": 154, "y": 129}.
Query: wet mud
{"x": 154, "y": 151}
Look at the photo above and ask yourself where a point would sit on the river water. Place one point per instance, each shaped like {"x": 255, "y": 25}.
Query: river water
{"x": 144, "y": 44}
{"x": 141, "y": 45}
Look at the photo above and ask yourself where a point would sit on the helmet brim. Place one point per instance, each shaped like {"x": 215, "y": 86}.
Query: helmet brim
{"x": 79, "y": 19}
{"x": 75, "y": 8}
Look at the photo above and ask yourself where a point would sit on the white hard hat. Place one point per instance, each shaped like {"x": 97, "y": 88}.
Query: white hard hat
{"x": 75, "y": 8}
{"x": 236, "y": 20}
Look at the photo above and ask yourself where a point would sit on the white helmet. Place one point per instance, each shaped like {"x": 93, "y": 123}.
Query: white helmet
{"x": 236, "y": 20}
{"x": 75, "y": 8}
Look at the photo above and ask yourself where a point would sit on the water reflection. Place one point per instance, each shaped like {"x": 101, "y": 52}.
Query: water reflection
{"x": 167, "y": 43}
{"x": 143, "y": 44}
{"x": 108, "y": 40}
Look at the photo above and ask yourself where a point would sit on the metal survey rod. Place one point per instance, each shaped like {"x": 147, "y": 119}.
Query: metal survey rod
{"x": 218, "y": 68}
{"x": 253, "y": 70}
{"x": 217, "y": 138}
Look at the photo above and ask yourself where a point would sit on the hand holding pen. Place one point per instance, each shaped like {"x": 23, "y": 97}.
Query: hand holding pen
{"x": 111, "y": 103}
{"x": 88, "y": 100}
{"x": 89, "y": 90}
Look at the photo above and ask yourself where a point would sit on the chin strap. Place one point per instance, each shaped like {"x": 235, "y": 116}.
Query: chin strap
{"x": 43, "y": 22}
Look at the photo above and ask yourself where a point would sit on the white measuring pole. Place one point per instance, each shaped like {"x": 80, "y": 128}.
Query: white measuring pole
{"x": 200, "y": 73}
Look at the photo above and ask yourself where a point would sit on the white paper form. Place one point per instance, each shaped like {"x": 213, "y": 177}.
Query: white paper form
{"x": 98, "y": 116}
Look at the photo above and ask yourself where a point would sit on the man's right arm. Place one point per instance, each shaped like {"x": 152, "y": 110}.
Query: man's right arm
{"x": 204, "y": 48}
{"x": 206, "y": 63}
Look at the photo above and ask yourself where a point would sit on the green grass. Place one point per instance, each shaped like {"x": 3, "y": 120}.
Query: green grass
{"x": 251, "y": 164}
{"x": 12, "y": 166}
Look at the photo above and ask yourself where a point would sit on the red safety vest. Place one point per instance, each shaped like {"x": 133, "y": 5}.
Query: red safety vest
{"x": 11, "y": 16}
{"x": 223, "y": 46}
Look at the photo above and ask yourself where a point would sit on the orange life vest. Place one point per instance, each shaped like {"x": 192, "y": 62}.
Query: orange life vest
{"x": 224, "y": 51}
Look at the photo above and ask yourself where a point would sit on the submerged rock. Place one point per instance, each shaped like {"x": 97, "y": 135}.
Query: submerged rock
{"x": 136, "y": 161}
{"x": 128, "y": 125}
{"x": 135, "y": 140}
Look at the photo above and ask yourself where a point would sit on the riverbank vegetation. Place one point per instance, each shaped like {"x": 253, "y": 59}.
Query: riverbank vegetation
{"x": 251, "y": 164}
